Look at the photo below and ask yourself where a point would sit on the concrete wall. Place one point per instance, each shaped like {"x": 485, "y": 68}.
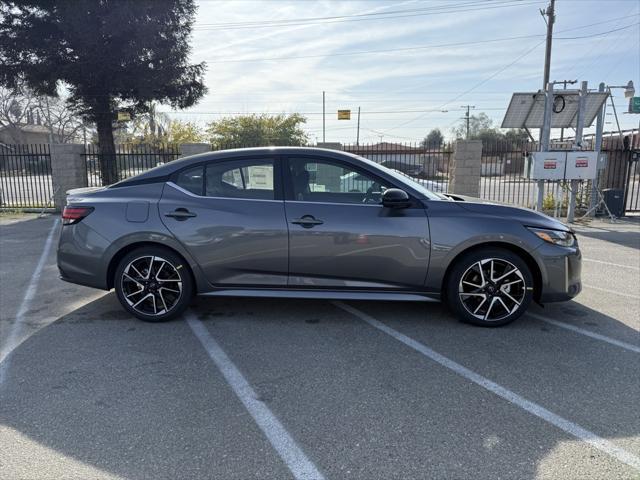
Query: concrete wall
{"x": 68, "y": 171}
{"x": 188, "y": 149}
{"x": 465, "y": 168}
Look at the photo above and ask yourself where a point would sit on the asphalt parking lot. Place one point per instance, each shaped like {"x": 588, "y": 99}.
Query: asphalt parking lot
{"x": 259, "y": 388}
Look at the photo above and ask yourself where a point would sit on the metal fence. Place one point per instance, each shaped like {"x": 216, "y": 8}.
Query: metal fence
{"x": 25, "y": 176}
{"x": 127, "y": 161}
{"x": 25, "y": 170}
{"x": 622, "y": 172}
{"x": 502, "y": 179}
{"x": 428, "y": 165}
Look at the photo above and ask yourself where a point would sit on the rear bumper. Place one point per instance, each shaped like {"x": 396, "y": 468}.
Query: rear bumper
{"x": 80, "y": 256}
{"x": 561, "y": 279}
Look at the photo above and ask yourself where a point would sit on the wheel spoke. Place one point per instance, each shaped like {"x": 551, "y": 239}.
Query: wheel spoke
{"x": 169, "y": 289}
{"x": 162, "y": 298}
{"x": 505, "y": 306}
{"x": 493, "y": 301}
{"x": 508, "y": 284}
{"x": 162, "y": 280}
{"x": 150, "y": 267}
{"x": 484, "y": 282}
{"x": 137, "y": 271}
{"x": 491, "y": 272}
{"x": 137, "y": 292}
{"x": 159, "y": 270}
{"x": 507, "y": 274}
{"x": 484, "y": 300}
{"x": 153, "y": 297}
{"x": 472, "y": 284}
{"x": 142, "y": 300}
{"x": 511, "y": 298}
{"x": 129, "y": 277}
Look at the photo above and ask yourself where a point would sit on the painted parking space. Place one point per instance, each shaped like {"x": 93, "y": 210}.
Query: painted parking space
{"x": 92, "y": 393}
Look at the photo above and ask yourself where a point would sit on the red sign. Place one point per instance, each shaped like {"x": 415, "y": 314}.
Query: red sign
{"x": 550, "y": 164}
{"x": 582, "y": 162}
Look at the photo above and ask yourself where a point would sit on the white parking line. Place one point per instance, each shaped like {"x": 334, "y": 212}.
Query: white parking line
{"x": 13, "y": 339}
{"x": 610, "y": 263}
{"x": 571, "y": 428}
{"x": 292, "y": 455}
{"x": 614, "y": 292}
{"x": 597, "y": 336}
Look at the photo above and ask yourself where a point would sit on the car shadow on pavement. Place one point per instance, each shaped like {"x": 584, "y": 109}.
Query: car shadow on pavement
{"x": 141, "y": 400}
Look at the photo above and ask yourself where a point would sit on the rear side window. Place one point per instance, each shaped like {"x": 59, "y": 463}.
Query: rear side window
{"x": 251, "y": 179}
{"x": 192, "y": 180}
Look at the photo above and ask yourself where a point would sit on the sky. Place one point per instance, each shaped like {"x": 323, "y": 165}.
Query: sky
{"x": 409, "y": 65}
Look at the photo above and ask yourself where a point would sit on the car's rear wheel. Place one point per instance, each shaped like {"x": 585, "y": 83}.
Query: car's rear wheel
{"x": 153, "y": 284}
{"x": 490, "y": 287}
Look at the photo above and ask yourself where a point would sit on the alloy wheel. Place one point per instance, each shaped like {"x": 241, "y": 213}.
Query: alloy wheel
{"x": 492, "y": 289}
{"x": 151, "y": 285}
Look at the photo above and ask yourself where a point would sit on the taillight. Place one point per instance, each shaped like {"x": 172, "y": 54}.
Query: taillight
{"x": 72, "y": 215}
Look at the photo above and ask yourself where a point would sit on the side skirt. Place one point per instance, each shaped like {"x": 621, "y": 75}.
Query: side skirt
{"x": 324, "y": 295}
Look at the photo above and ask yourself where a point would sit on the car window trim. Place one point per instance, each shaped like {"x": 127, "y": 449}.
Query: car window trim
{"x": 191, "y": 194}
{"x": 275, "y": 159}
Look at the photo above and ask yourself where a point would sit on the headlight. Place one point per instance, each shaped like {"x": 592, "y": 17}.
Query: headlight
{"x": 557, "y": 237}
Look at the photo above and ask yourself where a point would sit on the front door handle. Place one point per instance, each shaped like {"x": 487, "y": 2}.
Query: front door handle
{"x": 180, "y": 214}
{"x": 307, "y": 221}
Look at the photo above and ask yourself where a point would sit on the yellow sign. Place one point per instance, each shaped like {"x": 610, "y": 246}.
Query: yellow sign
{"x": 344, "y": 114}
{"x": 124, "y": 116}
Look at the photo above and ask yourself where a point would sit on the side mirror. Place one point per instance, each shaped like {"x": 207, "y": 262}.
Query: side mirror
{"x": 395, "y": 198}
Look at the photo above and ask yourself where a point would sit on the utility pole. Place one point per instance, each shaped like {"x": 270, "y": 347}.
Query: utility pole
{"x": 324, "y": 138}
{"x": 549, "y": 16}
{"x": 358, "y": 131}
{"x": 467, "y": 117}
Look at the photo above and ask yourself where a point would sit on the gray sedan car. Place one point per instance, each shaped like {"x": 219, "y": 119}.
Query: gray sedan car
{"x": 286, "y": 222}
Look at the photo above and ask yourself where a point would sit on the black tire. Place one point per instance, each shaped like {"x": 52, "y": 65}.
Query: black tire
{"x": 511, "y": 301}
{"x": 175, "y": 275}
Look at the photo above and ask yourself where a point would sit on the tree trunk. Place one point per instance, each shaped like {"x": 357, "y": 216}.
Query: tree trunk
{"x": 106, "y": 146}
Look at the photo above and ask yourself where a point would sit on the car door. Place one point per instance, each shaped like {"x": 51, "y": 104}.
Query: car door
{"x": 229, "y": 214}
{"x": 340, "y": 236}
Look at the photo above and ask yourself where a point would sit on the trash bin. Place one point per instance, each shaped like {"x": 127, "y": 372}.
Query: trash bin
{"x": 614, "y": 198}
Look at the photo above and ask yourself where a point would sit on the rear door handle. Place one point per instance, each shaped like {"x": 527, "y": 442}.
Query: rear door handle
{"x": 307, "y": 221}
{"x": 180, "y": 214}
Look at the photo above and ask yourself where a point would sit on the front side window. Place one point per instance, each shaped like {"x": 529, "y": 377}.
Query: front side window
{"x": 251, "y": 179}
{"x": 321, "y": 181}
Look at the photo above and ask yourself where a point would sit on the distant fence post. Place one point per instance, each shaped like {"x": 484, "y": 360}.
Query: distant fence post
{"x": 68, "y": 170}
{"x": 188, "y": 149}
{"x": 465, "y": 168}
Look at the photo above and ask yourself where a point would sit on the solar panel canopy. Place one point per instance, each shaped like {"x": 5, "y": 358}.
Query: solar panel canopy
{"x": 526, "y": 110}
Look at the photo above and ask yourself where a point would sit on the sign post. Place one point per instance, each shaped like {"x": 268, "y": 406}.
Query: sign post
{"x": 344, "y": 114}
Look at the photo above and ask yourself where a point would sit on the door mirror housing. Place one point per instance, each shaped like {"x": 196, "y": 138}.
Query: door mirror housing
{"x": 395, "y": 198}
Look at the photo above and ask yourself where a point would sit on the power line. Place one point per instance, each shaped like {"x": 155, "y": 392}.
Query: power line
{"x": 419, "y": 47}
{"x": 474, "y": 6}
{"x": 520, "y": 57}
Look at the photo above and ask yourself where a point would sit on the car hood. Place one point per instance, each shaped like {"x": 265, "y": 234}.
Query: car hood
{"x": 496, "y": 209}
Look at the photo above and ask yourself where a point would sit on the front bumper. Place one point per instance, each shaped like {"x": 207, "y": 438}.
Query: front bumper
{"x": 561, "y": 279}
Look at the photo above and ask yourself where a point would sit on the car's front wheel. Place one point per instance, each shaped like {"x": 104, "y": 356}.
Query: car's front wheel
{"x": 490, "y": 287}
{"x": 154, "y": 284}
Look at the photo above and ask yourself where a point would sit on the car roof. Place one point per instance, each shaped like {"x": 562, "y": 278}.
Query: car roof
{"x": 167, "y": 169}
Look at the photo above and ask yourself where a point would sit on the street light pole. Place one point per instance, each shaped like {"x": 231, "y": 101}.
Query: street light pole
{"x": 324, "y": 138}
